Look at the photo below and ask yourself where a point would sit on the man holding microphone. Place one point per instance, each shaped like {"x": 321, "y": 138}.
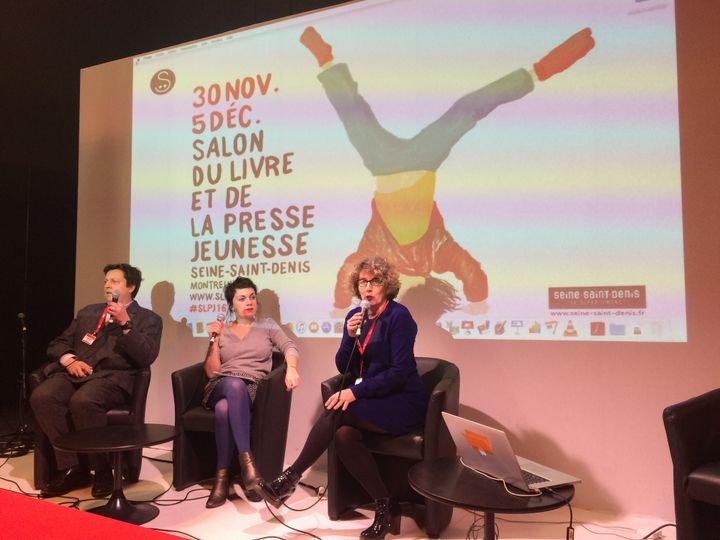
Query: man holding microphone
{"x": 92, "y": 370}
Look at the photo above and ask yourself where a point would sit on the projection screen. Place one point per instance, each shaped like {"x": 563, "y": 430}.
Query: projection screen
{"x": 518, "y": 160}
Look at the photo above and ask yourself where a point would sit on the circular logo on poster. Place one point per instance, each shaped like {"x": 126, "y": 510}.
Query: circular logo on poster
{"x": 162, "y": 82}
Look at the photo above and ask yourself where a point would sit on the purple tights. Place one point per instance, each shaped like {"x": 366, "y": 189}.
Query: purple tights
{"x": 232, "y": 405}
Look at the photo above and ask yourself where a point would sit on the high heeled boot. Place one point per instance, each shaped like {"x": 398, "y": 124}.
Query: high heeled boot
{"x": 387, "y": 520}
{"x": 280, "y": 489}
{"x": 219, "y": 491}
{"x": 250, "y": 478}
{"x": 250, "y": 494}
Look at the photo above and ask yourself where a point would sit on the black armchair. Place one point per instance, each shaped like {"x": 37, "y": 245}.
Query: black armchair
{"x": 396, "y": 454}
{"x": 693, "y": 432}
{"x": 132, "y": 413}
{"x": 194, "y": 455}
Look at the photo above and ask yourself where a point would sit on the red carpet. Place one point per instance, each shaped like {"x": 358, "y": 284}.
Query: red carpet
{"x": 23, "y": 517}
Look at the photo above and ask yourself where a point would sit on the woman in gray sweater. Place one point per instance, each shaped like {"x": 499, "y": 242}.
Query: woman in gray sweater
{"x": 240, "y": 355}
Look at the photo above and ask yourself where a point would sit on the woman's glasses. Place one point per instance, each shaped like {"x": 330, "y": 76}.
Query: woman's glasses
{"x": 375, "y": 282}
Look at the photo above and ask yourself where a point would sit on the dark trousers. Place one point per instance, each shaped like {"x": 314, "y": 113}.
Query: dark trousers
{"x": 61, "y": 405}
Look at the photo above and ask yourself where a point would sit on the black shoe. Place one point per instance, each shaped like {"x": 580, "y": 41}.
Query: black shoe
{"x": 220, "y": 489}
{"x": 254, "y": 487}
{"x": 387, "y": 520}
{"x": 102, "y": 484}
{"x": 282, "y": 487}
{"x": 73, "y": 478}
{"x": 251, "y": 480}
{"x": 252, "y": 495}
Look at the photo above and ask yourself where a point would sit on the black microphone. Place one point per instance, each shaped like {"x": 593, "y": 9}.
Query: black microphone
{"x": 21, "y": 316}
{"x": 115, "y": 298}
{"x": 364, "y": 306}
{"x": 220, "y": 318}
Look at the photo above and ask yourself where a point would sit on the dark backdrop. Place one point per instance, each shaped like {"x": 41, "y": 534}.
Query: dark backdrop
{"x": 43, "y": 46}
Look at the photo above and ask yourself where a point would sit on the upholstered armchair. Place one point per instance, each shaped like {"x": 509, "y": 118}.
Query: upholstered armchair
{"x": 194, "y": 455}
{"x": 396, "y": 454}
{"x": 133, "y": 413}
{"x": 693, "y": 433}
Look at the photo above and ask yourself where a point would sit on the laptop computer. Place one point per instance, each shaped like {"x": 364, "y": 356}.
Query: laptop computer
{"x": 488, "y": 450}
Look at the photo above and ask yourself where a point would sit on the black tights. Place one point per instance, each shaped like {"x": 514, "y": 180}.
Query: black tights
{"x": 347, "y": 432}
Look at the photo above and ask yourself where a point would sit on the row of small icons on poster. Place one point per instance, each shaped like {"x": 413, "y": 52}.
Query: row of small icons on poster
{"x": 498, "y": 328}
{"x": 300, "y": 327}
{"x": 549, "y": 327}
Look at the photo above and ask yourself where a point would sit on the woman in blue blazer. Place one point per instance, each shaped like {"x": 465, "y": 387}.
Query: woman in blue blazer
{"x": 382, "y": 392}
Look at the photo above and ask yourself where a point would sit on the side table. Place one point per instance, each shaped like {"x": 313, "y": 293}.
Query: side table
{"x": 117, "y": 439}
{"x": 448, "y": 481}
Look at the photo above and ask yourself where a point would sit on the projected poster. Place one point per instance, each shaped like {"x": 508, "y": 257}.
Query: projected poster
{"x": 518, "y": 161}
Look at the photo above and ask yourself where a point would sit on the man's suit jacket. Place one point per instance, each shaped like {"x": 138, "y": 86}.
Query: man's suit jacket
{"x": 114, "y": 355}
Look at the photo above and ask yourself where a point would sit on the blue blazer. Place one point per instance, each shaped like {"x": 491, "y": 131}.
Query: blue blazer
{"x": 391, "y": 394}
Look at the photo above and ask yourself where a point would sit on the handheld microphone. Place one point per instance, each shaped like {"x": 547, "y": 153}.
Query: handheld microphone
{"x": 21, "y": 316}
{"x": 220, "y": 318}
{"x": 364, "y": 306}
{"x": 115, "y": 298}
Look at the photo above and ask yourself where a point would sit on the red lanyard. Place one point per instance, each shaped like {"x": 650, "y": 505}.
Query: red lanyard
{"x": 101, "y": 321}
{"x": 361, "y": 346}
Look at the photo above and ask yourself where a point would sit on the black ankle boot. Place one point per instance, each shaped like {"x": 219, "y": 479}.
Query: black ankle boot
{"x": 250, "y": 494}
{"x": 219, "y": 491}
{"x": 250, "y": 478}
{"x": 387, "y": 520}
{"x": 282, "y": 487}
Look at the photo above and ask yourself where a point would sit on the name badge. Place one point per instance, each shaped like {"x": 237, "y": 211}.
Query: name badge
{"x": 89, "y": 339}
{"x": 358, "y": 380}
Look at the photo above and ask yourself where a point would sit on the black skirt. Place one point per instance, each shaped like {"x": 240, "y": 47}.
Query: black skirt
{"x": 252, "y": 385}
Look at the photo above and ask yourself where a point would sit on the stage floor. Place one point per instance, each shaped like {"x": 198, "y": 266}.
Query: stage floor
{"x": 239, "y": 519}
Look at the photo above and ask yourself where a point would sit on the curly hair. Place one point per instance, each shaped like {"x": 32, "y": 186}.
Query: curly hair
{"x": 381, "y": 269}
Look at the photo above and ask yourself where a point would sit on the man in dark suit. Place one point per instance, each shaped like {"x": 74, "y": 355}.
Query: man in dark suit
{"x": 92, "y": 369}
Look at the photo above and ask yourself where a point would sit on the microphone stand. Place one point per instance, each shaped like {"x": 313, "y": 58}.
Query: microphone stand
{"x": 24, "y": 432}
{"x": 19, "y": 442}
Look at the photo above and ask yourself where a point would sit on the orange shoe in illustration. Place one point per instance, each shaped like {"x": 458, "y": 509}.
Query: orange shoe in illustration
{"x": 565, "y": 55}
{"x": 322, "y": 51}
